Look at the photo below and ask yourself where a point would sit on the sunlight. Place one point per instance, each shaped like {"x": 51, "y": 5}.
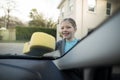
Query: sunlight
{"x": 45, "y": 7}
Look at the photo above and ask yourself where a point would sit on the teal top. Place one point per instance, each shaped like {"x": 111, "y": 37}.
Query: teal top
{"x": 70, "y": 44}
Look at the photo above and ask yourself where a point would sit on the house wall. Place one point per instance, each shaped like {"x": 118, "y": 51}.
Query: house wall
{"x": 9, "y": 34}
{"x": 87, "y": 20}
{"x": 79, "y": 18}
{"x": 93, "y": 19}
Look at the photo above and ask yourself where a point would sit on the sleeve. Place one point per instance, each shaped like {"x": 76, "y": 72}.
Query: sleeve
{"x": 60, "y": 46}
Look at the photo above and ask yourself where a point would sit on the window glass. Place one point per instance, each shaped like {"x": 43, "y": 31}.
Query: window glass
{"x": 91, "y": 5}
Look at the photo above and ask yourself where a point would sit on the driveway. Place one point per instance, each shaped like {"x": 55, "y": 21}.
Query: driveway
{"x": 11, "y": 48}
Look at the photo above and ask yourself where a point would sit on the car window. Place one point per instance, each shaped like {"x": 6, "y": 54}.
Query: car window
{"x": 19, "y": 22}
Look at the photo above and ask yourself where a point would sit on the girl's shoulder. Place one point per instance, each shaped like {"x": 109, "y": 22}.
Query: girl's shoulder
{"x": 60, "y": 41}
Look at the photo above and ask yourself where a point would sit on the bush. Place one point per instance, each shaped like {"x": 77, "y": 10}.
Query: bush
{"x": 1, "y": 37}
{"x": 25, "y": 33}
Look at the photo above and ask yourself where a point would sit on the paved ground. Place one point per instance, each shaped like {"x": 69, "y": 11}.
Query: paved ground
{"x": 12, "y": 48}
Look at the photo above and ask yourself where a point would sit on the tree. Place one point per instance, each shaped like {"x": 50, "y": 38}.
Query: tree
{"x": 51, "y": 24}
{"x": 37, "y": 19}
{"x": 8, "y": 6}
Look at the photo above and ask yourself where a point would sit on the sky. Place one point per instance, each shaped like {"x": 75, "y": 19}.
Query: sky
{"x": 47, "y": 7}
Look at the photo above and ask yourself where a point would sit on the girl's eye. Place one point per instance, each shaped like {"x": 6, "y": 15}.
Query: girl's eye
{"x": 62, "y": 28}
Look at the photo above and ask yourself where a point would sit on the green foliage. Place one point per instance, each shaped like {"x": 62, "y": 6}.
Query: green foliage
{"x": 36, "y": 23}
{"x": 25, "y": 33}
{"x": 39, "y": 20}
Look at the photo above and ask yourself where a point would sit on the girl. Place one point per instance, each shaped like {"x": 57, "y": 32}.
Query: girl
{"x": 68, "y": 28}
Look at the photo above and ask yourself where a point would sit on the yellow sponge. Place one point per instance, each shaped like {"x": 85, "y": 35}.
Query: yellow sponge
{"x": 43, "y": 40}
{"x": 26, "y": 48}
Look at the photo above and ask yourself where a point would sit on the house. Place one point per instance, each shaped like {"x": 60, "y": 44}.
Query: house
{"x": 88, "y": 14}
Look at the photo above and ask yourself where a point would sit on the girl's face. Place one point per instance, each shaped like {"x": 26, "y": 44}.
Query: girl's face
{"x": 67, "y": 30}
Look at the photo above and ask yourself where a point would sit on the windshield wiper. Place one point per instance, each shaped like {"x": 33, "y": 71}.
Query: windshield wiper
{"x": 48, "y": 56}
{"x": 26, "y": 57}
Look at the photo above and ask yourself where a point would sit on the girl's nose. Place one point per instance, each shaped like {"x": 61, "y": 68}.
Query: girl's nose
{"x": 64, "y": 29}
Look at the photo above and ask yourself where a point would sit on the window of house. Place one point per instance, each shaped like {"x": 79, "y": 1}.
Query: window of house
{"x": 91, "y": 5}
{"x": 62, "y": 11}
{"x": 108, "y": 10}
{"x": 70, "y": 3}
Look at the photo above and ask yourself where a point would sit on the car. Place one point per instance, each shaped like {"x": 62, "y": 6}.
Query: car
{"x": 95, "y": 57}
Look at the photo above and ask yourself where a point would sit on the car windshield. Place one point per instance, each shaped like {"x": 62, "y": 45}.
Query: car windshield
{"x": 18, "y": 22}
{"x": 31, "y": 28}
